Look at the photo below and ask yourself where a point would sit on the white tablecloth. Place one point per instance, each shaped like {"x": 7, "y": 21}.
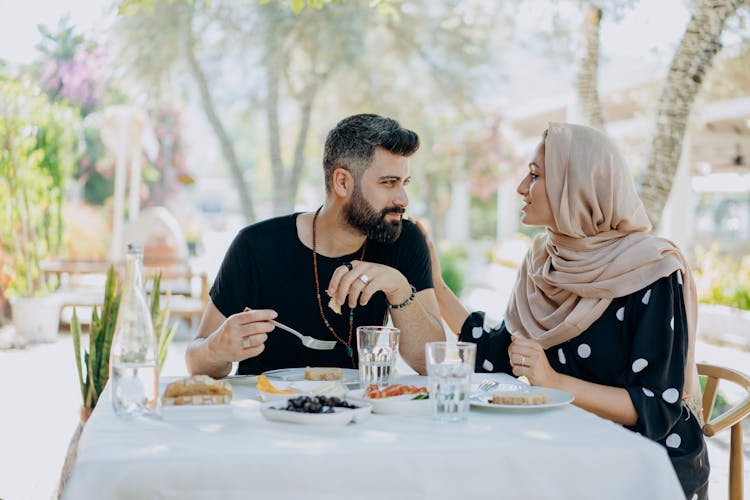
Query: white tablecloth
{"x": 204, "y": 454}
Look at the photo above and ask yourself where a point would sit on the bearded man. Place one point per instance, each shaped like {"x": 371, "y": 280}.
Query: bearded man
{"x": 352, "y": 262}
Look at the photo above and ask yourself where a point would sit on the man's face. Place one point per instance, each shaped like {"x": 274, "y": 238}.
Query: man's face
{"x": 379, "y": 199}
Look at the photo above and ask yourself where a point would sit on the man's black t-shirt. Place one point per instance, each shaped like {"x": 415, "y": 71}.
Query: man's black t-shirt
{"x": 268, "y": 267}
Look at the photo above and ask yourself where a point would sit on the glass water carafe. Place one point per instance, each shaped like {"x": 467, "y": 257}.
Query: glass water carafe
{"x": 133, "y": 358}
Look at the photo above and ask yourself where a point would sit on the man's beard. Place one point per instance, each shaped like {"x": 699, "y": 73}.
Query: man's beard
{"x": 360, "y": 215}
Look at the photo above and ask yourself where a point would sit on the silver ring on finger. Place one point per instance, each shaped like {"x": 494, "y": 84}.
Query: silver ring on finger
{"x": 364, "y": 278}
{"x": 523, "y": 360}
{"x": 246, "y": 343}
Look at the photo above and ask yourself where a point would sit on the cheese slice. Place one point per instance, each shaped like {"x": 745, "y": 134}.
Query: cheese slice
{"x": 334, "y": 306}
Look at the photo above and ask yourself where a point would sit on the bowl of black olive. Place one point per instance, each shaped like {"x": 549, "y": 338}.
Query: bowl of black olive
{"x": 316, "y": 410}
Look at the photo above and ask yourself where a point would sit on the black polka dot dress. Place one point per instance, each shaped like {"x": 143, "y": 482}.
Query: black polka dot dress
{"x": 639, "y": 343}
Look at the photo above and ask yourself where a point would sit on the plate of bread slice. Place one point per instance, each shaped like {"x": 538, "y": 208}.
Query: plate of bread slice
{"x": 522, "y": 398}
{"x": 199, "y": 392}
{"x": 342, "y": 375}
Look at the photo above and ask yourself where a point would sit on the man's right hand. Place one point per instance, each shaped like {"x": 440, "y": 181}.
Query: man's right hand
{"x": 241, "y": 336}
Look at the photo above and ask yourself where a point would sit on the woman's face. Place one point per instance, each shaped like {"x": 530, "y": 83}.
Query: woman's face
{"x": 536, "y": 210}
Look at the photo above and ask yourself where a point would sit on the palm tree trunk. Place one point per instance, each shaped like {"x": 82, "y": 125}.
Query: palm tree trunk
{"x": 587, "y": 80}
{"x": 700, "y": 43}
{"x": 307, "y": 97}
{"x": 278, "y": 170}
{"x": 209, "y": 108}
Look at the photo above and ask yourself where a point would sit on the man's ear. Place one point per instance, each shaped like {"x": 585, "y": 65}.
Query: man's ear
{"x": 342, "y": 182}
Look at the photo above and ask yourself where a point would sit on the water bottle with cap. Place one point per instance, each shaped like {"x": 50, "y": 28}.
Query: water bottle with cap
{"x": 133, "y": 357}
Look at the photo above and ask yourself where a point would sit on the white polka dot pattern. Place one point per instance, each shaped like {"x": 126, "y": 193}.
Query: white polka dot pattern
{"x": 671, "y": 395}
{"x": 487, "y": 365}
{"x": 561, "y": 355}
{"x": 477, "y": 332}
{"x": 639, "y": 364}
{"x": 646, "y": 297}
{"x": 584, "y": 351}
{"x": 620, "y": 314}
{"x": 648, "y": 392}
{"x": 674, "y": 440}
{"x": 488, "y": 324}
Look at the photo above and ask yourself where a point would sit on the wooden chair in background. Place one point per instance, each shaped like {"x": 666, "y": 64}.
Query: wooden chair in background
{"x": 731, "y": 418}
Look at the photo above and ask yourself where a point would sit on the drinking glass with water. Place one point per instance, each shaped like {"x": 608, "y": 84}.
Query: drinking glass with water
{"x": 449, "y": 367}
{"x": 377, "y": 347}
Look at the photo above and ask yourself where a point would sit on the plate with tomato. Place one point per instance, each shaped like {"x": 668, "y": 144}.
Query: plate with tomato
{"x": 396, "y": 399}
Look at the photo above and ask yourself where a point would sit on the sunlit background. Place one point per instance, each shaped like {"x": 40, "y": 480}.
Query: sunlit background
{"x": 223, "y": 125}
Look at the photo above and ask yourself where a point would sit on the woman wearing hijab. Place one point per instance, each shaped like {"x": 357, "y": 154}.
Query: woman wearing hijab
{"x": 601, "y": 308}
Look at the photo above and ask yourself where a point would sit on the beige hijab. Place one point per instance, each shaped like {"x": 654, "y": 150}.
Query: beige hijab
{"x": 600, "y": 248}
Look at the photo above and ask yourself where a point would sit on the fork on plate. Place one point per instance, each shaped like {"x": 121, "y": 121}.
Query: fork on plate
{"x": 487, "y": 385}
{"x": 307, "y": 341}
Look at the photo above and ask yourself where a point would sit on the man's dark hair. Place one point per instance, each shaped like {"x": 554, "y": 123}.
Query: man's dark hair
{"x": 351, "y": 144}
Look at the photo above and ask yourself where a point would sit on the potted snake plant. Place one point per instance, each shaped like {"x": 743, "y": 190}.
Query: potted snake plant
{"x": 93, "y": 363}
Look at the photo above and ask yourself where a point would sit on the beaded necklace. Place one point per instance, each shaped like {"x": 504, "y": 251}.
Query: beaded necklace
{"x": 348, "y": 342}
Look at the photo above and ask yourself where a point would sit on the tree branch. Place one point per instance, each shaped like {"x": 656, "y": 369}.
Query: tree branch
{"x": 209, "y": 108}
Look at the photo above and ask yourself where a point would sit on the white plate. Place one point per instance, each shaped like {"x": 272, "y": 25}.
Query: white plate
{"x": 187, "y": 412}
{"x": 241, "y": 379}
{"x": 348, "y": 375}
{"x": 395, "y": 405}
{"x": 305, "y": 387}
{"x": 274, "y": 411}
{"x": 555, "y": 398}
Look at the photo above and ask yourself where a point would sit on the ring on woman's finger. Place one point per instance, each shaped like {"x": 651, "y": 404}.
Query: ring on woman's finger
{"x": 523, "y": 360}
{"x": 349, "y": 265}
{"x": 246, "y": 343}
{"x": 364, "y": 278}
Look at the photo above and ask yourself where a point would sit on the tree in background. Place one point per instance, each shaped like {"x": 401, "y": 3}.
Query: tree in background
{"x": 73, "y": 70}
{"x": 690, "y": 64}
{"x": 587, "y": 66}
{"x": 168, "y": 172}
{"x": 38, "y": 152}
{"x": 291, "y": 72}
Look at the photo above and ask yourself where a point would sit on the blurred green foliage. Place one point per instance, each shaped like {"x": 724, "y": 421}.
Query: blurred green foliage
{"x": 38, "y": 152}
{"x": 720, "y": 405}
{"x": 721, "y": 280}
{"x": 452, "y": 265}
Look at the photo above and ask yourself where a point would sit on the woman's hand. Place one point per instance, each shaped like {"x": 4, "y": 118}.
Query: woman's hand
{"x": 241, "y": 336}
{"x": 437, "y": 276}
{"x": 529, "y": 359}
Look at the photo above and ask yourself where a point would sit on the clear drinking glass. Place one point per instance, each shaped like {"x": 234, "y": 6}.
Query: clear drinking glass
{"x": 449, "y": 367}
{"x": 377, "y": 347}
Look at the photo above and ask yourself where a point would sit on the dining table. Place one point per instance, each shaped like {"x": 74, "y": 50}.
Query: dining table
{"x": 234, "y": 452}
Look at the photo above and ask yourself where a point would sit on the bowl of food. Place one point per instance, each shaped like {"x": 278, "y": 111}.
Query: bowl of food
{"x": 395, "y": 399}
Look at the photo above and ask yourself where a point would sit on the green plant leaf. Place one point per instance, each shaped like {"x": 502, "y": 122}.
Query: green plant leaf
{"x": 91, "y": 396}
{"x": 112, "y": 300}
{"x": 75, "y": 332}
